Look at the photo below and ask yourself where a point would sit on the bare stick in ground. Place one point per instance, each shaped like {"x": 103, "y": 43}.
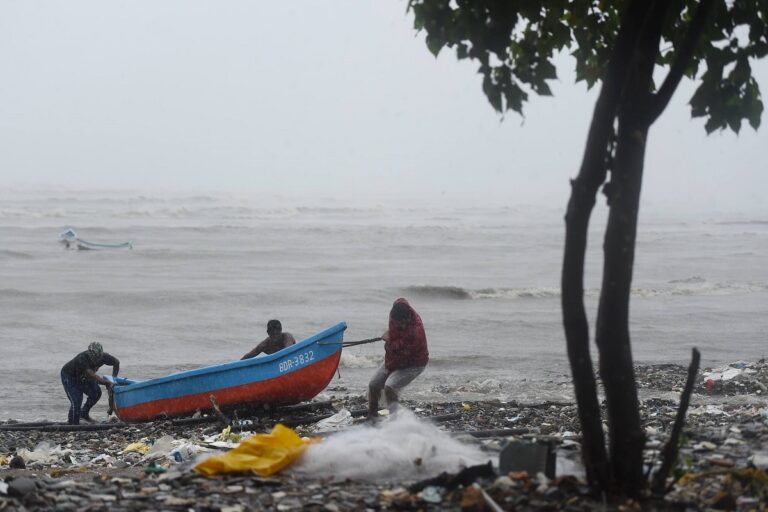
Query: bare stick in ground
{"x": 669, "y": 453}
{"x": 218, "y": 412}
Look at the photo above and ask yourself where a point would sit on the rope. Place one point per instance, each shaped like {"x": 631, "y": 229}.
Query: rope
{"x": 351, "y": 343}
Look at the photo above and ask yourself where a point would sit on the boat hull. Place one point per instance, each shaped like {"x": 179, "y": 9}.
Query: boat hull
{"x": 293, "y": 375}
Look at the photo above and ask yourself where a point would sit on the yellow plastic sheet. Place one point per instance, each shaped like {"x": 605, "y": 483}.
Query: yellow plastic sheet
{"x": 137, "y": 447}
{"x": 264, "y": 454}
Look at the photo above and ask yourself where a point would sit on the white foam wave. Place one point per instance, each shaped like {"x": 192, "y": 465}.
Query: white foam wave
{"x": 360, "y": 361}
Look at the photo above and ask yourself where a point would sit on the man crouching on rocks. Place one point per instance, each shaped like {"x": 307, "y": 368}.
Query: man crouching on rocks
{"x": 79, "y": 377}
{"x": 405, "y": 357}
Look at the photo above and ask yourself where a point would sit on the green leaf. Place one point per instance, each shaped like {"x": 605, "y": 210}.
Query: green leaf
{"x": 434, "y": 44}
{"x": 462, "y": 51}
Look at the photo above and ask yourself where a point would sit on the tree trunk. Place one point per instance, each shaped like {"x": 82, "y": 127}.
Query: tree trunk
{"x": 583, "y": 193}
{"x": 626, "y": 437}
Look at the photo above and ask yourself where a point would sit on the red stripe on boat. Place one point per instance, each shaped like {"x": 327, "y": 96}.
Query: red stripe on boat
{"x": 291, "y": 388}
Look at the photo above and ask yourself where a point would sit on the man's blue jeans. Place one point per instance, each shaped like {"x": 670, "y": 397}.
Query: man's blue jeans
{"x": 75, "y": 392}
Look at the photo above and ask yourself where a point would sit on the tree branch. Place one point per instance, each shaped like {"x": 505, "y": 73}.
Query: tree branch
{"x": 661, "y": 99}
{"x": 670, "y": 449}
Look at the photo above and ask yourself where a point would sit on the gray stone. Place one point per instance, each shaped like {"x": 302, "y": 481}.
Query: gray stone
{"x": 21, "y": 486}
{"x": 527, "y": 456}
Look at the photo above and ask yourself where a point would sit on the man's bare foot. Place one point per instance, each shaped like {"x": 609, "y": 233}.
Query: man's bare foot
{"x": 87, "y": 418}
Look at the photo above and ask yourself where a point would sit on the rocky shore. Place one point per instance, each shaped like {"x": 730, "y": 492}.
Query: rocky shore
{"x": 722, "y": 464}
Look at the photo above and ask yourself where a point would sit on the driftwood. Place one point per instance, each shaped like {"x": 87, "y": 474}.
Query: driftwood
{"x": 252, "y": 412}
{"x": 64, "y": 427}
{"x": 464, "y": 478}
{"x": 220, "y": 415}
{"x": 501, "y": 432}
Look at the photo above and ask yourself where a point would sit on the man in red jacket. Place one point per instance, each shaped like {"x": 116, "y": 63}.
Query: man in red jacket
{"x": 405, "y": 357}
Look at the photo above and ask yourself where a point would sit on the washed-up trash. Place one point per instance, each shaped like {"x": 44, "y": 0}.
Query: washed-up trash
{"x": 3, "y": 487}
{"x": 264, "y": 454}
{"x": 137, "y": 448}
{"x": 160, "y": 448}
{"x": 43, "y": 453}
{"x": 338, "y": 421}
{"x": 712, "y": 410}
{"x": 4, "y": 460}
{"x": 732, "y": 371}
{"x": 432, "y": 494}
{"x": 103, "y": 457}
{"x": 759, "y": 460}
{"x": 186, "y": 451}
{"x": 154, "y": 469}
{"x": 228, "y": 436}
{"x": 226, "y": 439}
{"x": 704, "y": 446}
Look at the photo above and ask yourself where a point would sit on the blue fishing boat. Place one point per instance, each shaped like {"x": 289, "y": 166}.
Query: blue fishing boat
{"x": 70, "y": 240}
{"x": 292, "y": 375}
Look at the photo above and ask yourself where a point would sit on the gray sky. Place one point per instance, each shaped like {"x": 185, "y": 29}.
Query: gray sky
{"x": 336, "y": 99}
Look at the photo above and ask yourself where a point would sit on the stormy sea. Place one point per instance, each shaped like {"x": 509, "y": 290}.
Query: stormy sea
{"x": 206, "y": 272}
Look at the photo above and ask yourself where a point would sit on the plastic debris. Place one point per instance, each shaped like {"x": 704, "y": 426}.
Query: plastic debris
{"x": 137, "y": 448}
{"x": 759, "y": 460}
{"x": 338, "y": 421}
{"x": 43, "y": 453}
{"x": 228, "y": 436}
{"x": 264, "y": 454}
{"x": 160, "y": 448}
{"x": 432, "y": 494}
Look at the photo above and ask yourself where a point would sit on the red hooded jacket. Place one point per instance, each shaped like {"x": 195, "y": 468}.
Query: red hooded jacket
{"x": 406, "y": 348}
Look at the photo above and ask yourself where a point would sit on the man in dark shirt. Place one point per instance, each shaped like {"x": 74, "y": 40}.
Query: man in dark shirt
{"x": 275, "y": 341}
{"x": 79, "y": 377}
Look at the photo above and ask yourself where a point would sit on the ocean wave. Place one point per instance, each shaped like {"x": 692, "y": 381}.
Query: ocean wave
{"x": 459, "y": 293}
{"x": 15, "y": 255}
{"x": 699, "y": 286}
{"x": 472, "y": 386}
{"x": 742, "y": 222}
{"x": 694, "y": 285}
{"x": 689, "y": 280}
{"x": 13, "y": 293}
{"x": 360, "y": 361}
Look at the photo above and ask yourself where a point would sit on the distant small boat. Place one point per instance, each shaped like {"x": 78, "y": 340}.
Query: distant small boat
{"x": 292, "y": 375}
{"x": 70, "y": 239}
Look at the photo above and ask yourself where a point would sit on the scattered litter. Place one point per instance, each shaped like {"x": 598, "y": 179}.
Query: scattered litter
{"x": 338, "y": 421}
{"x": 43, "y": 453}
{"x": 704, "y": 446}
{"x": 432, "y": 494}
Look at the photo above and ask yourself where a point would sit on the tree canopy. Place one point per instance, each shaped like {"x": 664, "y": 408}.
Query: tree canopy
{"x": 515, "y": 43}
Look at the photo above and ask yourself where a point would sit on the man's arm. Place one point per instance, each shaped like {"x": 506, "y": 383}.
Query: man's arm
{"x": 256, "y": 351}
{"x": 95, "y": 376}
{"x": 112, "y": 361}
{"x": 288, "y": 339}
